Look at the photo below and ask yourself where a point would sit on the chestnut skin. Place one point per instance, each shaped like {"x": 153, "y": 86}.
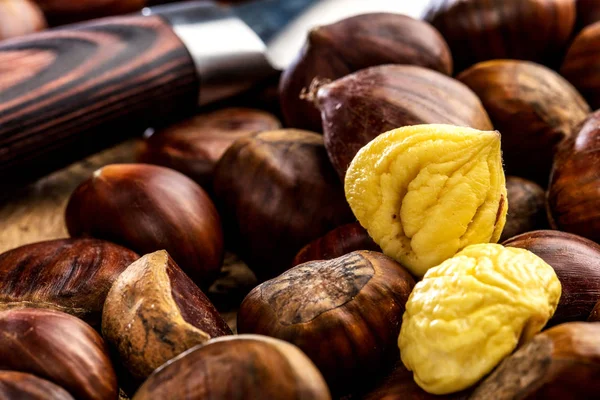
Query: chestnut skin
{"x": 527, "y": 207}
{"x": 17, "y": 385}
{"x": 366, "y": 40}
{"x": 581, "y": 63}
{"x": 60, "y": 348}
{"x": 345, "y": 314}
{"x": 148, "y": 208}
{"x": 20, "y": 17}
{"x": 194, "y": 146}
{"x": 241, "y": 367}
{"x": 576, "y": 261}
{"x": 277, "y": 192}
{"x": 68, "y": 275}
{"x": 574, "y": 196}
{"x": 534, "y": 109}
{"x": 481, "y": 30}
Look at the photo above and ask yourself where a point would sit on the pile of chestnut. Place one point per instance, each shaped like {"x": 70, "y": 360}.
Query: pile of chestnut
{"x": 123, "y": 307}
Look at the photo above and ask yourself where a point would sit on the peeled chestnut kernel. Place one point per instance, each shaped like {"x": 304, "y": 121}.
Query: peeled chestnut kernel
{"x": 345, "y": 314}
{"x": 194, "y": 146}
{"x": 573, "y": 197}
{"x": 576, "y": 262}
{"x": 148, "y": 208}
{"x": 338, "y": 242}
{"x": 20, "y": 17}
{"x": 57, "y": 347}
{"x": 244, "y": 367}
{"x": 68, "y": 275}
{"x": 339, "y": 49}
{"x": 359, "y": 107}
{"x": 581, "y": 63}
{"x": 480, "y": 30}
{"x": 532, "y": 106}
{"x": 560, "y": 363}
{"x": 277, "y": 192}
{"x": 588, "y": 12}
{"x": 20, "y": 386}
{"x": 527, "y": 211}
{"x": 154, "y": 312}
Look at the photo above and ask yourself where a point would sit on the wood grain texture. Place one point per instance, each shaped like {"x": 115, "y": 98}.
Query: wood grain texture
{"x": 94, "y": 85}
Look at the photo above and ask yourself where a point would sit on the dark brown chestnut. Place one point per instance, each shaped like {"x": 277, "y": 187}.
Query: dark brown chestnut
{"x": 339, "y": 49}
{"x": 595, "y": 314}
{"x": 345, "y": 314}
{"x": 359, "y": 107}
{"x": 342, "y": 240}
{"x": 21, "y": 386}
{"x": 277, "y": 192}
{"x": 576, "y": 261}
{"x": 148, "y": 208}
{"x": 573, "y": 195}
{"x": 534, "y": 109}
{"x": 581, "y": 63}
{"x": 560, "y": 363}
{"x": 68, "y": 275}
{"x": 481, "y": 30}
{"x": 154, "y": 312}
{"x": 194, "y": 146}
{"x": 527, "y": 207}
{"x": 588, "y": 12}
{"x": 244, "y": 367}
{"x": 57, "y": 347}
{"x": 20, "y": 17}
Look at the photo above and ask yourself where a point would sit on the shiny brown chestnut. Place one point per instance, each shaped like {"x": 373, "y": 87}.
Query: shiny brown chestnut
{"x": 481, "y": 30}
{"x": 68, "y": 275}
{"x": 277, "y": 192}
{"x": 532, "y": 106}
{"x": 148, "y": 208}
{"x": 573, "y": 195}
{"x": 154, "y": 312}
{"x": 21, "y": 386}
{"x": 194, "y": 146}
{"x": 527, "y": 207}
{"x": 560, "y": 363}
{"x": 576, "y": 261}
{"x": 20, "y": 17}
{"x": 342, "y": 240}
{"x": 336, "y": 50}
{"x": 588, "y": 12}
{"x": 581, "y": 63}
{"x": 345, "y": 314}
{"x": 359, "y": 107}
{"x": 57, "y": 347}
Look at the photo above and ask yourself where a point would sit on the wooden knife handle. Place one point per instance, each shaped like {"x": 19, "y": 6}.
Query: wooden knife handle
{"x": 67, "y": 93}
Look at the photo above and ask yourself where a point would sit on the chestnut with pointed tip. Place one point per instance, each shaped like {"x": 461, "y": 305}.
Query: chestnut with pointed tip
{"x": 20, "y": 17}
{"x": 241, "y": 367}
{"x": 21, "y": 386}
{"x": 345, "y": 314}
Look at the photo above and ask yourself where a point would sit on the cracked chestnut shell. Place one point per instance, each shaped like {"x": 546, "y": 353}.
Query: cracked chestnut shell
{"x": 480, "y": 30}
{"x": 527, "y": 207}
{"x": 241, "y": 367}
{"x": 336, "y": 50}
{"x": 359, "y": 107}
{"x": 59, "y": 348}
{"x": 582, "y": 62}
{"x": 68, "y": 275}
{"x": 574, "y": 195}
{"x": 194, "y": 146}
{"x": 20, "y": 17}
{"x": 154, "y": 312}
{"x": 532, "y": 106}
{"x": 345, "y": 314}
{"x": 576, "y": 261}
{"x": 560, "y": 363}
{"x": 21, "y": 386}
{"x": 277, "y": 192}
{"x": 148, "y": 208}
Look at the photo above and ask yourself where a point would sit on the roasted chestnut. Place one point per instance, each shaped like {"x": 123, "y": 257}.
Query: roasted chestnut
{"x": 582, "y": 62}
{"x": 527, "y": 207}
{"x": 576, "y": 261}
{"x": 148, "y": 208}
{"x": 345, "y": 314}
{"x": 343, "y": 240}
{"x": 194, "y": 146}
{"x": 359, "y": 107}
{"x": 154, "y": 312}
{"x": 20, "y": 17}
{"x": 480, "y": 30}
{"x": 68, "y": 275}
{"x": 57, "y": 347}
{"x": 244, "y": 367}
{"x": 560, "y": 363}
{"x": 277, "y": 192}
{"x": 532, "y": 106}
{"x": 573, "y": 196}
{"x": 339, "y": 49}
{"x": 20, "y": 386}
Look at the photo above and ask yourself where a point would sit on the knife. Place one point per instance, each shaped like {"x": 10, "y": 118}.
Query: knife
{"x": 70, "y": 92}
